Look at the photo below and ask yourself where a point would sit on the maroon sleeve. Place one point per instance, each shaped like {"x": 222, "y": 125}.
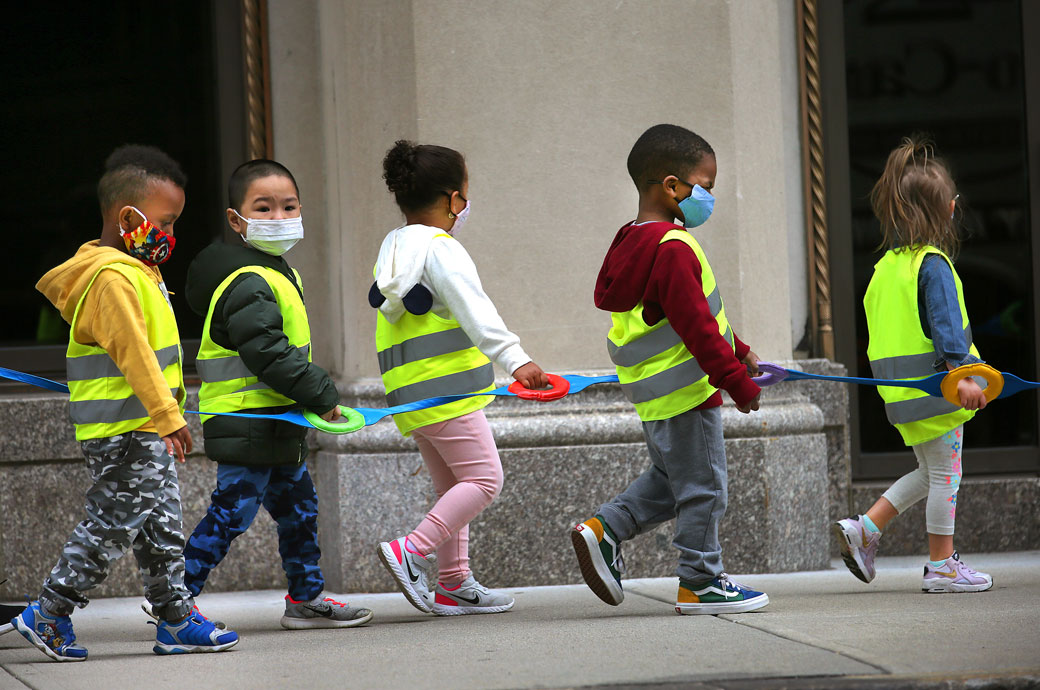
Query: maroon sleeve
{"x": 675, "y": 283}
{"x": 740, "y": 347}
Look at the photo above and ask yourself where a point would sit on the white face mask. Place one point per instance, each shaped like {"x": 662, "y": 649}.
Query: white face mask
{"x": 460, "y": 220}
{"x": 273, "y": 236}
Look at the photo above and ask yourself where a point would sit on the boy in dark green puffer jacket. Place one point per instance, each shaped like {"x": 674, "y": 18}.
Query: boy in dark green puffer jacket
{"x": 255, "y": 357}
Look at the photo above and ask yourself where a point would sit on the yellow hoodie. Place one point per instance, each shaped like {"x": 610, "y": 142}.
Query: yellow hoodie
{"x": 112, "y": 318}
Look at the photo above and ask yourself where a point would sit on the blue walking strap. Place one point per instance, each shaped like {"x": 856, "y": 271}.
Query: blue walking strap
{"x": 357, "y": 418}
{"x": 999, "y": 384}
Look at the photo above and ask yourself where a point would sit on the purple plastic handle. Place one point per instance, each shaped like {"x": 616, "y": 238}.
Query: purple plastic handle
{"x": 769, "y": 374}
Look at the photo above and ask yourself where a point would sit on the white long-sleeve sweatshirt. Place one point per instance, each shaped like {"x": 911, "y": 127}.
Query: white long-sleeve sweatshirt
{"x": 420, "y": 254}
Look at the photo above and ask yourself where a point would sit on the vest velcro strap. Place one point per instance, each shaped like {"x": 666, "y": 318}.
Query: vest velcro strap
{"x": 642, "y": 349}
{"x": 423, "y": 347}
{"x": 229, "y": 368}
{"x": 458, "y": 383}
{"x": 916, "y": 409}
{"x": 100, "y": 366}
{"x": 109, "y": 411}
{"x": 663, "y": 383}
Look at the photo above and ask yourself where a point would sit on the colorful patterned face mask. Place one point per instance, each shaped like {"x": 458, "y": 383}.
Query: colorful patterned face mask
{"x": 147, "y": 243}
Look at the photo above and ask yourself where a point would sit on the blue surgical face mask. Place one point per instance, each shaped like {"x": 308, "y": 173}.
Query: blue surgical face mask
{"x": 697, "y": 207}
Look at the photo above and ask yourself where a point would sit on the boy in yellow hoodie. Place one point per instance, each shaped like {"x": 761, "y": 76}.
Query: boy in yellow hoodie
{"x": 127, "y": 398}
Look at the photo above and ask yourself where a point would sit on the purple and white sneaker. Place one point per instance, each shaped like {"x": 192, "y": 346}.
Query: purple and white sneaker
{"x": 858, "y": 546}
{"x": 954, "y": 576}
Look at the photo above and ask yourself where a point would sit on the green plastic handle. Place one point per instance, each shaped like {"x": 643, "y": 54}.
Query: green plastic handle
{"x": 354, "y": 421}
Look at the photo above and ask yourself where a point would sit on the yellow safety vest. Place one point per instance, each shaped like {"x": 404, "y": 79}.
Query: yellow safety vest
{"x": 102, "y": 403}
{"x": 898, "y": 348}
{"x": 658, "y": 374}
{"x": 227, "y": 383}
{"x": 427, "y": 356}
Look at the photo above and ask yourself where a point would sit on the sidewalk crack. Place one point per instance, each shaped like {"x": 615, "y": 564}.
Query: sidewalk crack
{"x": 790, "y": 638}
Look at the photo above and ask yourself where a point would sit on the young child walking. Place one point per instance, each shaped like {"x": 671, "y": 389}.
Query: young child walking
{"x": 127, "y": 395}
{"x": 918, "y": 325}
{"x": 255, "y": 357}
{"x": 437, "y": 333}
{"x": 673, "y": 349}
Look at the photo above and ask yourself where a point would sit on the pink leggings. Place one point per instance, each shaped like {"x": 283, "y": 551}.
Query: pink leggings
{"x": 463, "y": 462}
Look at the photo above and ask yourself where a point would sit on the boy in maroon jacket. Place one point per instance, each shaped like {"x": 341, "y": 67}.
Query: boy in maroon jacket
{"x": 674, "y": 350}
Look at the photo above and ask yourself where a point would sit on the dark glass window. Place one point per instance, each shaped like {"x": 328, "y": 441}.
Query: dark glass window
{"x": 953, "y": 69}
{"x": 83, "y": 78}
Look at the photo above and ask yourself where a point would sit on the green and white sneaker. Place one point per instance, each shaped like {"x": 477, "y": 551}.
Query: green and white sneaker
{"x": 599, "y": 557}
{"x": 469, "y": 597}
{"x": 721, "y": 595}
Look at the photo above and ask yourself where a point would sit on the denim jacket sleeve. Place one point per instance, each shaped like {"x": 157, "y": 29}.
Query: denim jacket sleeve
{"x": 941, "y": 313}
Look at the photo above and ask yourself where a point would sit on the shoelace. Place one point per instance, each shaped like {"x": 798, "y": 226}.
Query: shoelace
{"x": 618, "y": 563}
{"x": 332, "y": 602}
{"x": 730, "y": 584}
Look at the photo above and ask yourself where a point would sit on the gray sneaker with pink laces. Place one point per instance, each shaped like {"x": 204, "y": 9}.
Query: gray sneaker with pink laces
{"x": 954, "y": 576}
{"x": 858, "y": 546}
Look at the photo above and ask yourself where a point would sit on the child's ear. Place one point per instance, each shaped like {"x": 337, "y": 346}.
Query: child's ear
{"x": 125, "y": 219}
{"x": 235, "y": 222}
{"x": 670, "y": 184}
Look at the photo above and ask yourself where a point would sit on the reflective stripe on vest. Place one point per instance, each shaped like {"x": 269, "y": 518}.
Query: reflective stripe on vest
{"x": 228, "y": 385}
{"x": 658, "y": 373}
{"x": 899, "y": 349}
{"x": 425, "y": 356}
{"x": 101, "y": 401}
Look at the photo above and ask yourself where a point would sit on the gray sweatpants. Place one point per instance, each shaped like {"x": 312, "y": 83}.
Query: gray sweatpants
{"x": 686, "y": 481}
{"x": 134, "y": 502}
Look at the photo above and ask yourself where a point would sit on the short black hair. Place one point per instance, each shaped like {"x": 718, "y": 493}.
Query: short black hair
{"x": 419, "y": 173}
{"x": 130, "y": 170}
{"x": 249, "y": 171}
{"x": 666, "y": 150}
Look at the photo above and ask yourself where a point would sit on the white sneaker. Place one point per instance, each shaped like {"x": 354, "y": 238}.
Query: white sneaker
{"x": 469, "y": 597}
{"x": 411, "y": 571}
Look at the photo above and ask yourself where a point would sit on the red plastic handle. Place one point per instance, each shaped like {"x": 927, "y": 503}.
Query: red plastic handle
{"x": 558, "y": 387}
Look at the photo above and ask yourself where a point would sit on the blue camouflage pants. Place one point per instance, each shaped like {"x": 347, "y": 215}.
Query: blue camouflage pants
{"x": 287, "y": 493}
{"x": 134, "y": 502}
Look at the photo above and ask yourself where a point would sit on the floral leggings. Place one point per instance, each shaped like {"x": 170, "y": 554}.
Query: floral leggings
{"x": 938, "y": 476}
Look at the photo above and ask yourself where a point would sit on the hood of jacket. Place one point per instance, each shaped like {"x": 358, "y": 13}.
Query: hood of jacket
{"x": 216, "y": 262}
{"x": 65, "y": 284}
{"x": 400, "y": 265}
{"x": 628, "y": 264}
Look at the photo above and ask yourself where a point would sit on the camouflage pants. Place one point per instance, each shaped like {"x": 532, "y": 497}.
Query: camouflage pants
{"x": 134, "y": 502}
{"x": 287, "y": 493}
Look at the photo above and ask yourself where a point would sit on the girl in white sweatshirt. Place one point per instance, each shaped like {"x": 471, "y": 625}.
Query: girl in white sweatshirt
{"x": 437, "y": 334}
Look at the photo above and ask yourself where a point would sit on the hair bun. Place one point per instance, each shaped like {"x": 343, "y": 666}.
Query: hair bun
{"x": 399, "y": 167}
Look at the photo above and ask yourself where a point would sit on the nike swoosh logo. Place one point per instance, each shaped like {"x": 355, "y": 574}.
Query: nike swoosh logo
{"x": 408, "y": 566}
{"x": 475, "y": 600}
{"x": 939, "y": 572}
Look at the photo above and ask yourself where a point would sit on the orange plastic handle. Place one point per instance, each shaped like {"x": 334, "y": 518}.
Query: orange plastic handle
{"x": 994, "y": 380}
{"x": 558, "y": 387}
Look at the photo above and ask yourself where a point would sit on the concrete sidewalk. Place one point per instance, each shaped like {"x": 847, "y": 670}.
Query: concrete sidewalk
{"x": 821, "y": 629}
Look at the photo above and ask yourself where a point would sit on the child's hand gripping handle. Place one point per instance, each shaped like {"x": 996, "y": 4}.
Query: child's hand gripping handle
{"x": 769, "y": 374}
{"x": 352, "y": 421}
{"x": 994, "y": 381}
{"x": 558, "y": 387}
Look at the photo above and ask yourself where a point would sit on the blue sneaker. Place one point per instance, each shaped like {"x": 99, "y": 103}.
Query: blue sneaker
{"x": 721, "y": 595}
{"x": 195, "y": 633}
{"x": 52, "y": 636}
